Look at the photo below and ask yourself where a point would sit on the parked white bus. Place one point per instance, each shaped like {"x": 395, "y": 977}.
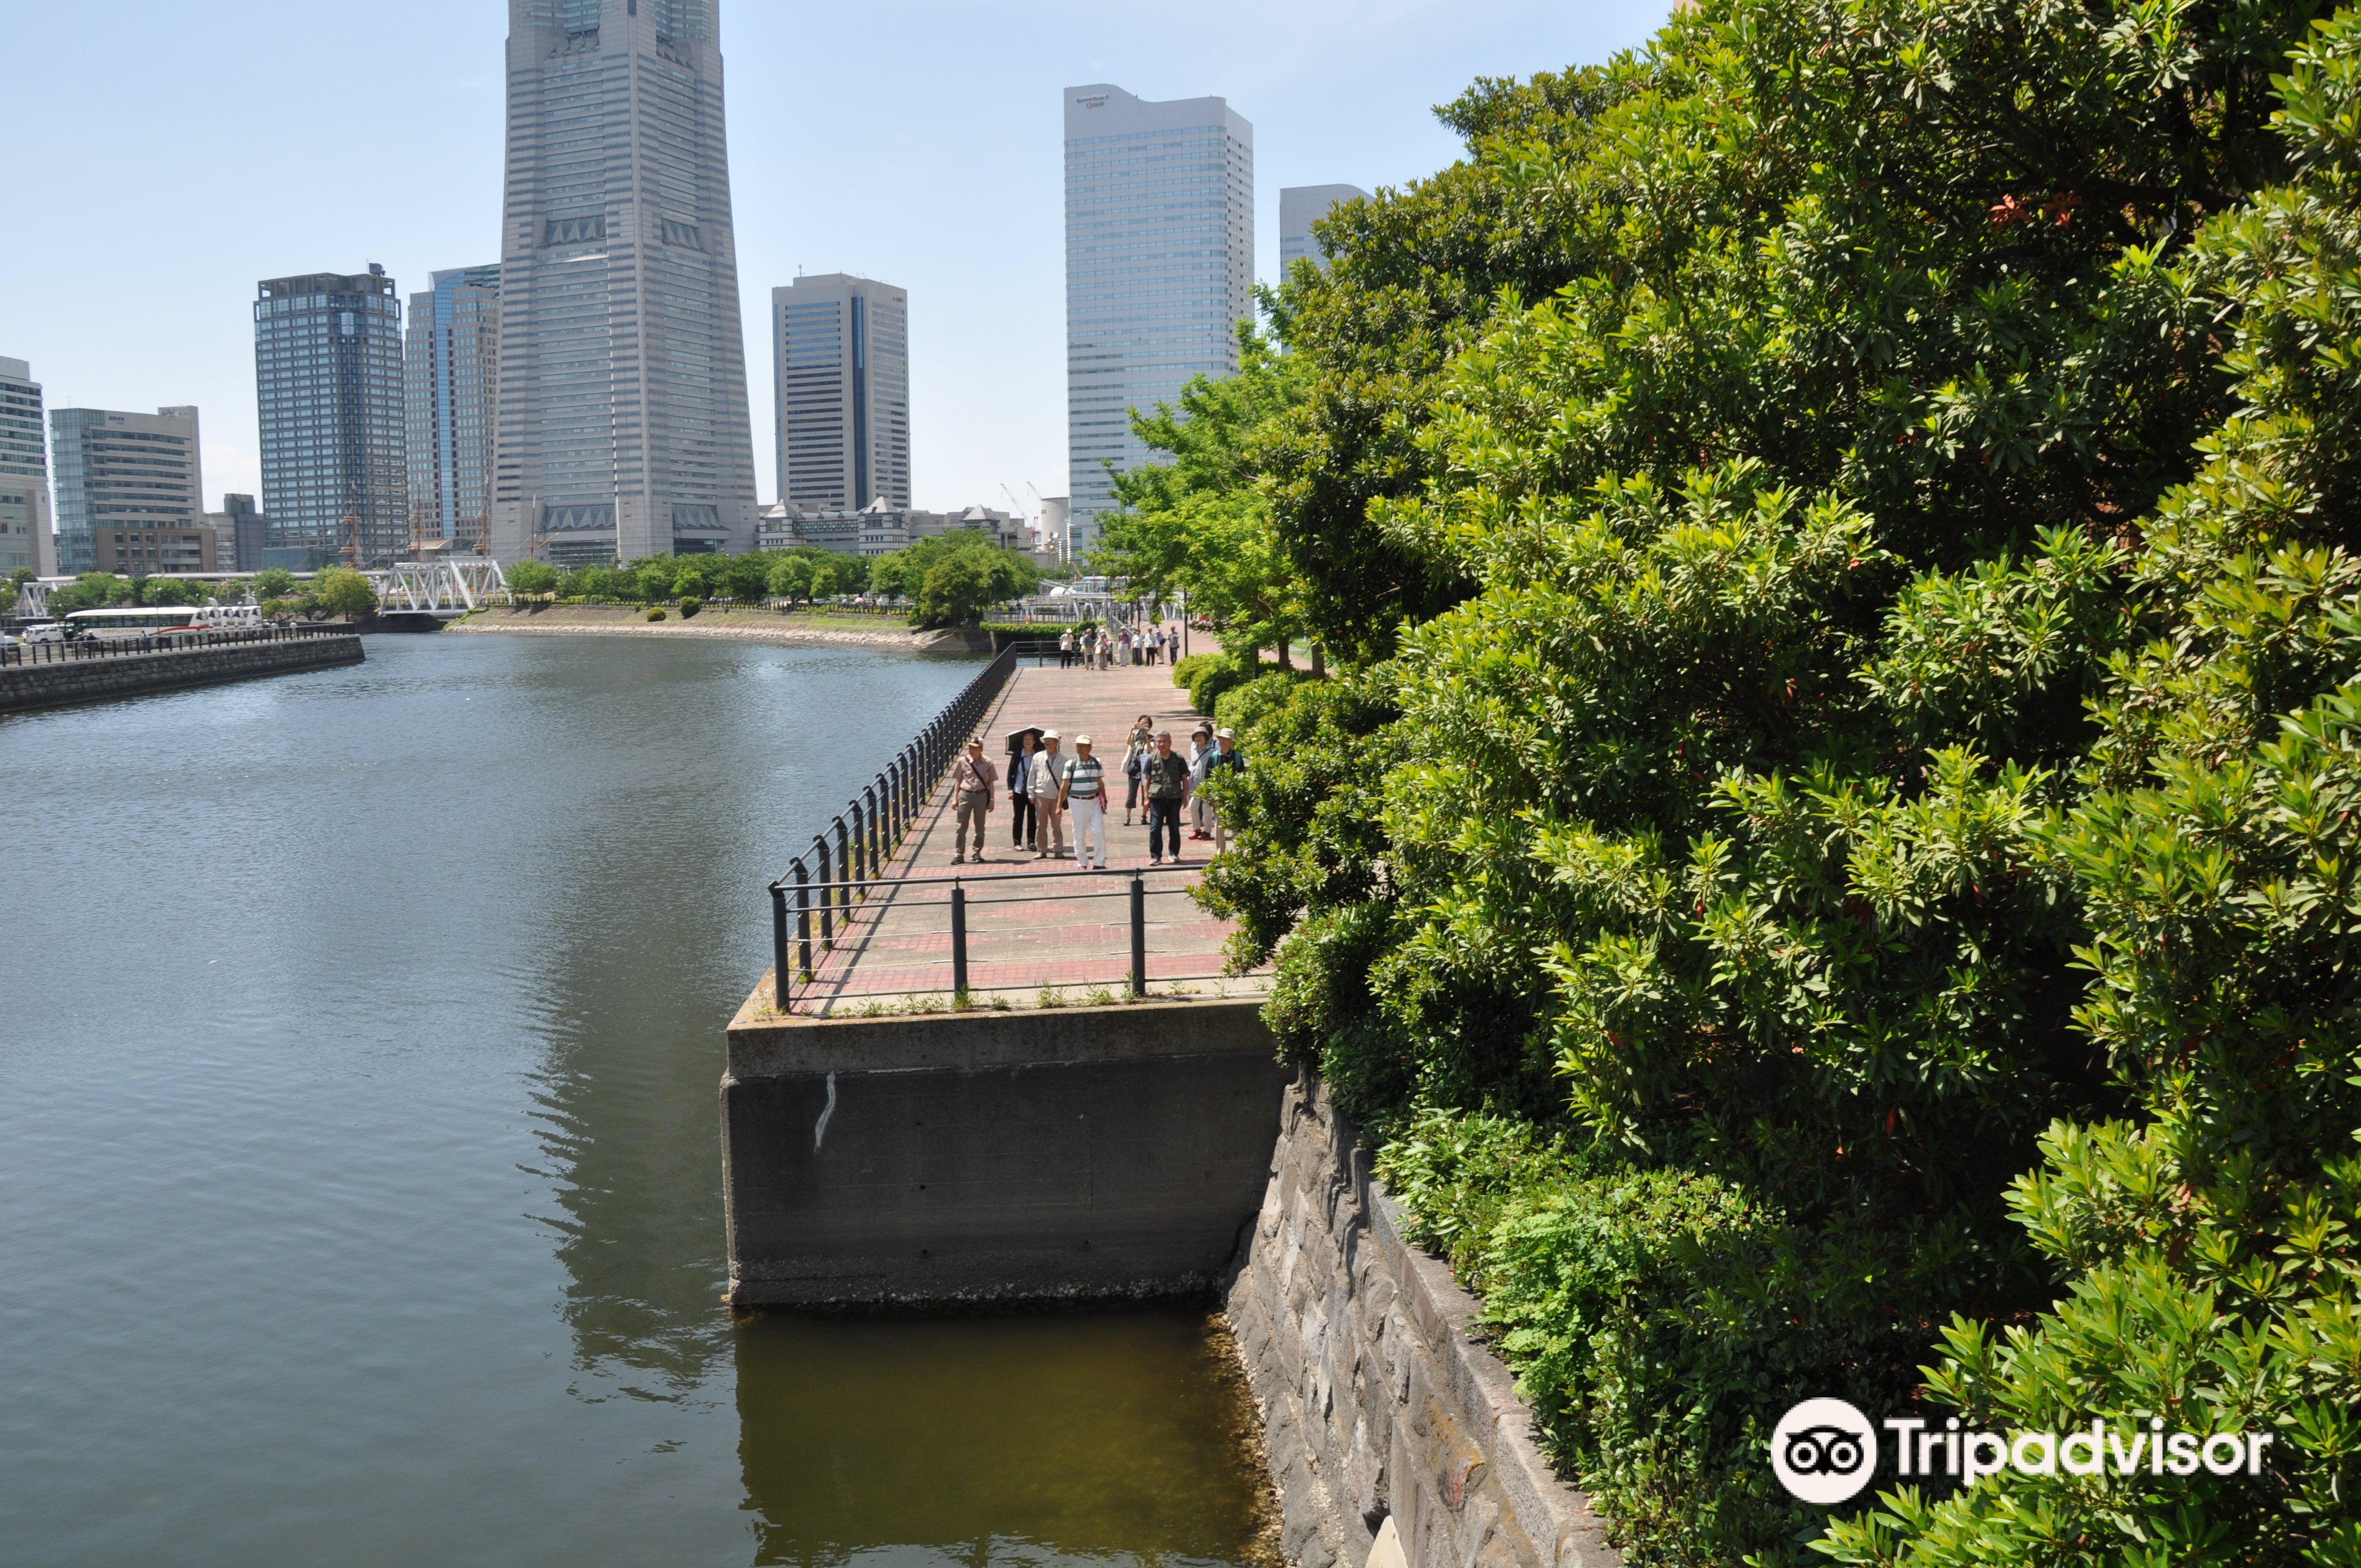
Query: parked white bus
{"x": 127, "y": 622}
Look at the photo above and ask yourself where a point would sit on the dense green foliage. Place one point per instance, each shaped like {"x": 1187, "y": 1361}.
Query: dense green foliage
{"x": 1827, "y": 831}
{"x": 948, "y": 580}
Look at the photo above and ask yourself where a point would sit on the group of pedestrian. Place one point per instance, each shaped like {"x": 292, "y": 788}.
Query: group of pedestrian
{"x": 1098, "y": 648}
{"x": 1056, "y": 796}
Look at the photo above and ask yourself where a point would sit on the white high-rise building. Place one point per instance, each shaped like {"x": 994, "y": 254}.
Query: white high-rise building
{"x": 1160, "y": 270}
{"x": 840, "y": 347}
{"x": 25, "y": 536}
{"x": 1300, "y": 206}
{"x": 622, "y": 429}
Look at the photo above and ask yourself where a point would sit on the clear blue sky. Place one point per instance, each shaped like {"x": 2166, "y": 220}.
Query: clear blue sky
{"x": 168, "y": 156}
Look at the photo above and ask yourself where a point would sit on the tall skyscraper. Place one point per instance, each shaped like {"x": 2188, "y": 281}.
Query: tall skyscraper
{"x": 1159, "y": 269}
{"x": 327, "y": 383}
{"x": 25, "y": 536}
{"x": 127, "y": 472}
{"x": 842, "y": 347}
{"x": 450, "y": 365}
{"x": 622, "y": 428}
{"x": 1300, "y": 206}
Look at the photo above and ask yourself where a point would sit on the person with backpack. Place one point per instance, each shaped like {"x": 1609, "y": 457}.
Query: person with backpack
{"x": 1165, "y": 775}
{"x": 973, "y": 779}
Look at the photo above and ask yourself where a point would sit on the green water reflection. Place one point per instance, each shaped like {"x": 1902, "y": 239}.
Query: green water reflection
{"x": 997, "y": 1440}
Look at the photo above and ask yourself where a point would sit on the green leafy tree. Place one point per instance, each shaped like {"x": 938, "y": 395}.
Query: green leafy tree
{"x": 92, "y": 590}
{"x": 275, "y": 583}
{"x": 951, "y": 578}
{"x": 791, "y": 577}
{"x": 1201, "y": 523}
{"x": 533, "y": 578}
{"x": 340, "y": 591}
{"x": 166, "y": 591}
{"x": 1744, "y": 590}
{"x": 2213, "y": 1241}
{"x": 826, "y": 580}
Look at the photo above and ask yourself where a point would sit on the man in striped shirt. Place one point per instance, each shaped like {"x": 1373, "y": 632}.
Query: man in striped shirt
{"x": 1082, "y": 792}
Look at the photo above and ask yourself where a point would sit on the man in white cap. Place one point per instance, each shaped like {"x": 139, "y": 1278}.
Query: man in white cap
{"x": 1222, "y": 761}
{"x": 1084, "y": 794}
{"x": 1042, "y": 786}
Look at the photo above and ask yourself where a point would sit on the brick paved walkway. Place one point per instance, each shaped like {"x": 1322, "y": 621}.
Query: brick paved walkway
{"x": 1039, "y": 931}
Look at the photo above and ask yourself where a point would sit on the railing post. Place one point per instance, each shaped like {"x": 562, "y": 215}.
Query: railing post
{"x": 1138, "y": 936}
{"x": 877, "y": 839}
{"x": 844, "y": 878}
{"x": 853, "y": 858}
{"x": 803, "y": 921}
{"x": 827, "y": 894}
{"x": 958, "y": 940}
{"x": 779, "y": 944}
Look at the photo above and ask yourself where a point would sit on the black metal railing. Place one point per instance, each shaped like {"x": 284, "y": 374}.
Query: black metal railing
{"x": 881, "y": 816}
{"x": 933, "y": 906}
{"x": 118, "y": 647}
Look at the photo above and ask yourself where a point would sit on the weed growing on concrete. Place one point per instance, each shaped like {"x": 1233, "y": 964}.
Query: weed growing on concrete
{"x": 1051, "y": 996}
{"x": 1102, "y": 997}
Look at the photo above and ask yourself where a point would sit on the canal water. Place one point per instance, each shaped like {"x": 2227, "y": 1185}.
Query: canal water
{"x": 359, "y": 1178}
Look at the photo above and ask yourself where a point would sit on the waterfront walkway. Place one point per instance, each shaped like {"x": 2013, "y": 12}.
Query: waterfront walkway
{"x": 1038, "y": 932}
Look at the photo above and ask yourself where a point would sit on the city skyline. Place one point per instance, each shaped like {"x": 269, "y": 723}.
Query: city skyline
{"x": 819, "y": 180}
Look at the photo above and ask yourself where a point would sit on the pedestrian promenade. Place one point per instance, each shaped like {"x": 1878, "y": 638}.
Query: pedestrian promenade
{"x": 1038, "y": 932}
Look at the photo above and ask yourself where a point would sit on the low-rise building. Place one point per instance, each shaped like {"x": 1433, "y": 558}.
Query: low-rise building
{"x": 880, "y": 528}
{"x": 156, "y": 550}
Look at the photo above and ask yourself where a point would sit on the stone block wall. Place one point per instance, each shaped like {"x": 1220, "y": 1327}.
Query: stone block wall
{"x": 1375, "y": 1400}
{"x": 26, "y": 688}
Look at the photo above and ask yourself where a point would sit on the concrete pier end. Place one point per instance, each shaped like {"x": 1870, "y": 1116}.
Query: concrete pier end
{"x": 937, "y": 1159}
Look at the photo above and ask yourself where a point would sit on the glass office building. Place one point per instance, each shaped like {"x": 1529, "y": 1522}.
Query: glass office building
{"x": 623, "y": 430}
{"x": 327, "y": 377}
{"x": 450, "y": 366}
{"x": 1160, "y": 270}
{"x": 841, "y": 350}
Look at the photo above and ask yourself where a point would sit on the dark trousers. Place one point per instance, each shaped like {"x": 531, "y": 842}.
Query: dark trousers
{"x": 1021, "y": 827}
{"x": 1163, "y": 816}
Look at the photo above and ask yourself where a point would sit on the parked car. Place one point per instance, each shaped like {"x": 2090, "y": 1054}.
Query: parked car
{"x": 43, "y": 631}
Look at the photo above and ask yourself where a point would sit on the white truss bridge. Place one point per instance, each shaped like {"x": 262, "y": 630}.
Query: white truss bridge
{"x": 440, "y": 588}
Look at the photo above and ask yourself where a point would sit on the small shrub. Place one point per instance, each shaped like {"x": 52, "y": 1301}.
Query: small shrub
{"x": 690, "y": 605}
{"x": 655, "y": 615}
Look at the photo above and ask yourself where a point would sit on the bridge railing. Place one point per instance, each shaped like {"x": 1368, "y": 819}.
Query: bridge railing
{"x": 28, "y": 654}
{"x": 874, "y": 824}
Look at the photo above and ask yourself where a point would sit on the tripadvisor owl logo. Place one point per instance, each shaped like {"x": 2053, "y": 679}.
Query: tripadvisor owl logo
{"x": 1826, "y": 1451}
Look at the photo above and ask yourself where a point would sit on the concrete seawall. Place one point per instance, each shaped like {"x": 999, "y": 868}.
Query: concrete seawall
{"x": 1375, "y": 1398}
{"x": 1064, "y": 1154}
{"x": 25, "y": 688}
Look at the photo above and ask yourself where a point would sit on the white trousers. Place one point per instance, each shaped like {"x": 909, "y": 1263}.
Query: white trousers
{"x": 1090, "y": 831}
